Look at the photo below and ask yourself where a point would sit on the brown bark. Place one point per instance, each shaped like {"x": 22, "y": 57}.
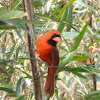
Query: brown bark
{"x": 28, "y": 6}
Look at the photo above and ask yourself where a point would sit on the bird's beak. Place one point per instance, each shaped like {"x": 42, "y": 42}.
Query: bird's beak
{"x": 57, "y": 39}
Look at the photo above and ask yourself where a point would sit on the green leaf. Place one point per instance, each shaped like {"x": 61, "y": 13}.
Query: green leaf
{"x": 63, "y": 18}
{"x": 84, "y": 16}
{"x": 2, "y": 23}
{"x": 63, "y": 9}
{"x": 37, "y": 3}
{"x": 67, "y": 44}
{"x": 18, "y": 87}
{"x": 70, "y": 17}
{"x": 17, "y": 51}
{"x": 98, "y": 19}
{"x": 73, "y": 69}
{"x": 79, "y": 74}
{"x": 11, "y": 95}
{"x": 94, "y": 70}
{"x": 1, "y": 33}
{"x": 14, "y": 4}
{"x": 11, "y": 51}
{"x": 68, "y": 35}
{"x": 80, "y": 68}
{"x": 97, "y": 36}
{"x": 8, "y": 85}
{"x": 89, "y": 30}
{"x": 80, "y": 58}
{"x": 67, "y": 59}
{"x": 21, "y": 98}
{"x": 48, "y": 97}
{"x": 76, "y": 69}
{"x": 27, "y": 75}
{"x": 6, "y": 90}
{"x": 44, "y": 16}
{"x": 20, "y": 61}
{"x": 20, "y": 26}
{"x": 82, "y": 3}
{"x": 62, "y": 48}
{"x": 24, "y": 21}
{"x": 2, "y": 76}
{"x": 95, "y": 95}
{"x": 87, "y": 53}
{"x": 84, "y": 67}
{"x": 7, "y": 27}
{"x": 91, "y": 44}
{"x": 11, "y": 14}
{"x": 79, "y": 38}
{"x": 19, "y": 34}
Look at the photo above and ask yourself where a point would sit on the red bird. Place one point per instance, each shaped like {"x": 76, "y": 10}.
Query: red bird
{"x": 48, "y": 53}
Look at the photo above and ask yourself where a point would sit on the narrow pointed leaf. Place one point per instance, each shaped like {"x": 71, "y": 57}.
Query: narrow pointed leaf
{"x": 6, "y": 90}
{"x": 70, "y": 18}
{"x": 19, "y": 34}
{"x": 14, "y": 4}
{"x": 64, "y": 17}
{"x": 79, "y": 38}
{"x": 67, "y": 58}
{"x": 62, "y": 10}
{"x": 11, "y": 52}
{"x": 20, "y": 26}
{"x": 82, "y": 3}
{"x": 18, "y": 87}
{"x": 11, "y": 14}
{"x": 94, "y": 95}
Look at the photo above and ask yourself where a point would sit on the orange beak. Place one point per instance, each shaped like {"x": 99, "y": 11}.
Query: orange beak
{"x": 57, "y": 39}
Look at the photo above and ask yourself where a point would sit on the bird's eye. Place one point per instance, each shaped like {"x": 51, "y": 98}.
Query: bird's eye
{"x": 53, "y": 34}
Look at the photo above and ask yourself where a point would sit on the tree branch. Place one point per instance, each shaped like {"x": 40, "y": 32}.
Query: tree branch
{"x": 28, "y": 8}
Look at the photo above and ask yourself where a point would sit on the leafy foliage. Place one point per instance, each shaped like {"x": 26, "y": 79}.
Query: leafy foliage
{"x": 78, "y": 22}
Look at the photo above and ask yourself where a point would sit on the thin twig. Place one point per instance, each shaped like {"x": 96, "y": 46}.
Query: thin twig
{"x": 10, "y": 60}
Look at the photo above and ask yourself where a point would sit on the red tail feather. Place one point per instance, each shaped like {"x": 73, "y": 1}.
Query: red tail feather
{"x": 50, "y": 82}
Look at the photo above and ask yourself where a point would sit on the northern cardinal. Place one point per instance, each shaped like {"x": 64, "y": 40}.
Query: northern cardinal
{"x": 48, "y": 53}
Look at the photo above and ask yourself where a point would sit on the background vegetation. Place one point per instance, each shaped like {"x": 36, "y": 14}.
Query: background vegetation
{"x": 78, "y": 21}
